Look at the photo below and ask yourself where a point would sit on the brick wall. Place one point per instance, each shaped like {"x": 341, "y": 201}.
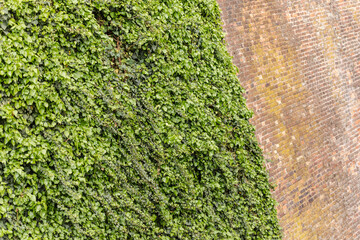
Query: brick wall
{"x": 299, "y": 61}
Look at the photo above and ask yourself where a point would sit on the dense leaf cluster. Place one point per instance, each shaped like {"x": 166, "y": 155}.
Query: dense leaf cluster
{"x": 125, "y": 120}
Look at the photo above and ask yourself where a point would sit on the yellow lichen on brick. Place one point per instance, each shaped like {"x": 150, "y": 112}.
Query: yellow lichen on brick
{"x": 299, "y": 64}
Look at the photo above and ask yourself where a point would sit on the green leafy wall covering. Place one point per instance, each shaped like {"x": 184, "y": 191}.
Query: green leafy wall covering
{"x": 125, "y": 120}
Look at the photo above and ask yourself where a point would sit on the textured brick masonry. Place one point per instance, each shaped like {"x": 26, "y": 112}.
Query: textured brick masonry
{"x": 299, "y": 62}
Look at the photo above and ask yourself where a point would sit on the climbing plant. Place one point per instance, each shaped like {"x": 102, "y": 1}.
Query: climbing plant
{"x": 125, "y": 120}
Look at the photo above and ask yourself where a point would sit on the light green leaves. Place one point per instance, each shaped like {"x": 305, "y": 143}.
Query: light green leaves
{"x": 31, "y": 197}
{"x": 125, "y": 120}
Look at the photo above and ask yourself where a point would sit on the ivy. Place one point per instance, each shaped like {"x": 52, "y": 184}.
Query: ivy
{"x": 125, "y": 120}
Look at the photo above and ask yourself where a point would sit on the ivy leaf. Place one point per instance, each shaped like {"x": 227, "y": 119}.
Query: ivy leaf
{"x": 31, "y": 197}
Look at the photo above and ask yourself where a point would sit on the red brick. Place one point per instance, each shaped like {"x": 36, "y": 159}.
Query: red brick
{"x": 299, "y": 62}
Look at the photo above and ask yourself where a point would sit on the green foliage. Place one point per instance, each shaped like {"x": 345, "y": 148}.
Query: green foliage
{"x": 125, "y": 120}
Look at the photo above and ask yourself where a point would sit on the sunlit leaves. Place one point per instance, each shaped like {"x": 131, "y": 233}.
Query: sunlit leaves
{"x": 125, "y": 120}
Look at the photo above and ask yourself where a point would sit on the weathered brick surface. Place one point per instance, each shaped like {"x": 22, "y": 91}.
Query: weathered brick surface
{"x": 299, "y": 61}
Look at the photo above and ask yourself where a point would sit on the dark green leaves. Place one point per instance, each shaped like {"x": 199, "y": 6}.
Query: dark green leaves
{"x": 125, "y": 120}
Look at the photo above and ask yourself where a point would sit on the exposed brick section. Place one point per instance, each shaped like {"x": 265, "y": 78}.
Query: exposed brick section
{"x": 299, "y": 61}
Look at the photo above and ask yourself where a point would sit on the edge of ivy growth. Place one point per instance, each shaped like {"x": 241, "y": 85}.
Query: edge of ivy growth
{"x": 125, "y": 120}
